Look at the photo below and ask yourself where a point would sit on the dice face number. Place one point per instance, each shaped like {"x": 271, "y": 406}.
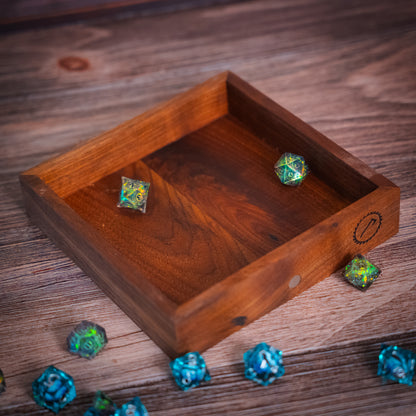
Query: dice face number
{"x": 131, "y": 409}
{"x": 51, "y": 380}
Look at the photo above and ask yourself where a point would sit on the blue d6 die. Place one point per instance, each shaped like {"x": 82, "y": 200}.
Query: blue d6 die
{"x": 396, "y": 364}
{"x": 263, "y": 364}
{"x": 54, "y": 389}
{"x": 190, "y": 370}
{"x": 134, "y": 407}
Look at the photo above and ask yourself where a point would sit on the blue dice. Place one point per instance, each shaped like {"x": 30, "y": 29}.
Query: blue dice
{"x": 102, "y": 406}
{"x": 263, "y": 364}
{"x": 189, "y": 371}
{"x": 132, "y": 408}
{"x": 54, "y": 389}
{"x": 396, "y": 364}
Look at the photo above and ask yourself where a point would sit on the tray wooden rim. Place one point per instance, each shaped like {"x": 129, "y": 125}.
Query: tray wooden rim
{"x": 46, "y": 186}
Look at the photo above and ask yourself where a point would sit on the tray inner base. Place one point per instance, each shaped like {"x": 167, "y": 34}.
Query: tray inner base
{"x": 215, "y": 205}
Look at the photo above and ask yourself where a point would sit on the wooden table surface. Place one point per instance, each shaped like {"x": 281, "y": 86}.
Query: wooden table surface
{"x": 346, "y": 67}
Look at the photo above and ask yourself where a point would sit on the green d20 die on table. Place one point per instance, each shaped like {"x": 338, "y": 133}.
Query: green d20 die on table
{"x": 133, "y": 194}
{"x": 360, "y": 272}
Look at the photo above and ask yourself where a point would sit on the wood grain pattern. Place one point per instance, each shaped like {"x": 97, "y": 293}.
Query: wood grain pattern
{"x": 136, "y": 138}
{"x": 345, "y": 68}
{"x": 24, "y": 14}
{"x": 261, "y": 212}
{"x": 166, "y": 251}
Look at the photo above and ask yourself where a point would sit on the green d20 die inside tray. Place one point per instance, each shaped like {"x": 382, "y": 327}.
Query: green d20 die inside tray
{"x": 223, "y": 241}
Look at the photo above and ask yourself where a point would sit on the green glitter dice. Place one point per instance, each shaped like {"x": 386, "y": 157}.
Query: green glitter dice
{"x": 291, "y": 169}
{"x": 2, "y": 382}
{"x": 87, "y": 339}
{"x": 102, "y": 406}
{"x": 360, "y": 272}
{"x": 133, "y": 194}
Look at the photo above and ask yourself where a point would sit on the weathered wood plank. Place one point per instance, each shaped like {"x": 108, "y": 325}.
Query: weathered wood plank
{"x": 28, "y": 14}
{"x": 310, "y": 386}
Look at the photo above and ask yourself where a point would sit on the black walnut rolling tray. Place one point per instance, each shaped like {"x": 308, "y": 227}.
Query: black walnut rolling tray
{"x": 223, "y": 241}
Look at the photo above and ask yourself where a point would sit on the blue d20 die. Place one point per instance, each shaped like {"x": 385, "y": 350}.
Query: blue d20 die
{"x": 263, "y": 364}
{"x": 54, "y": 389}
{"x": 190, "y": 370}
{"x": 396, "y": 364}
{"x": 134, "y": 407}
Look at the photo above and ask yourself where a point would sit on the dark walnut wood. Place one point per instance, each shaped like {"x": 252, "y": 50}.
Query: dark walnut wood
{"x": 220, "y": 228}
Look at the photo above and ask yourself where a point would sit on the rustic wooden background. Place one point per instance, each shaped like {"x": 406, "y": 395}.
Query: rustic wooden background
{"x": 346, "y": 67}
{"x": 17, "y": 14}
